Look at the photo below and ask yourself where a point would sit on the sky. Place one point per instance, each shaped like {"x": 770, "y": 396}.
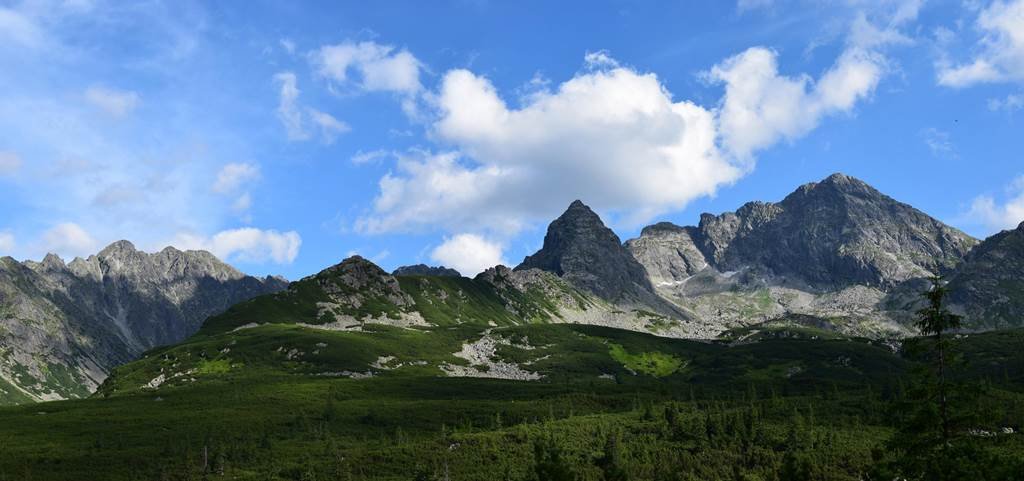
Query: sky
{"x": 286, "y": 136}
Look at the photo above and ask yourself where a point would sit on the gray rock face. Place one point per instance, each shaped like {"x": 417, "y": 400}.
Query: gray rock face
{"x": 837, "y": 232}
{"x": 989, "y": 286}
{"x": 836, "y": 249}
{"x": 425, "y": 270}
{"x": 580, "y": 249}
{"x": 831, "y": 234}
{"x": 668, "y": 252}
{"x": 63, "y": 327}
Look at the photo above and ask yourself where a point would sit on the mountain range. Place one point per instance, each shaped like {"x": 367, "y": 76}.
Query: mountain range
{"x": 63, "y": 327}
{"x": 836, "y": 255}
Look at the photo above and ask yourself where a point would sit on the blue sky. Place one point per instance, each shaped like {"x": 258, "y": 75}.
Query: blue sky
{"x": 285, "y": 136}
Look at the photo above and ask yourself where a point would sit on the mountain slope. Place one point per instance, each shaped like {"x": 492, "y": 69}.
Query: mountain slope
{"x": 989, "y": 286}
{"x": 64, "y": 327}
{"x": 581, "y": 250}
{"x": 834, "y": 249}
{"x": 356, "y": 294}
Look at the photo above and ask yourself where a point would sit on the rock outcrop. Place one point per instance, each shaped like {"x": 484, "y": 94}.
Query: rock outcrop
{"x": 425, "y": 270}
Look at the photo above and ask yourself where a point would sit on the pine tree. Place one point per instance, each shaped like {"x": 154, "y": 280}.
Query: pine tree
{"x": 933, "y": 443}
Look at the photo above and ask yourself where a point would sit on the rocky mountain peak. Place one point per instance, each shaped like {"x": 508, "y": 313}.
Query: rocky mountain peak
{"x": 356, "y": 280}
{"x": 53, "y": 262}
{"x": 660, "y": 228}
{"x": 579, "y": 248}
{"x": 119, "y": 249}
{"x": 835, "y": 232}
{"x": 425, "y": 270}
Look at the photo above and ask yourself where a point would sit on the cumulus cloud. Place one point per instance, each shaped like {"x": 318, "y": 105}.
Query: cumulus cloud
{"x": 10, "y": 163}
{"x": 69, "y": 240}
{"x": 7, "y": 243}
{"x": 1000, "y": 49}
{"x": 986, "y": 211}
{"x": 376, "y": 67}
{"x": 246, "y": 245}
{"x": 610, "y": 135}
{"x": 761, "y": 106}
{"x": 116, "y": 103}
{"x": 233, "y": 176}
{"x": 469, "y": 254}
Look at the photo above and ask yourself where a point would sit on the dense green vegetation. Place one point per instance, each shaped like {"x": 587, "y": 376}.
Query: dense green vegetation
{"x": 275, "y": 390}
{"x": 282, "y": 402}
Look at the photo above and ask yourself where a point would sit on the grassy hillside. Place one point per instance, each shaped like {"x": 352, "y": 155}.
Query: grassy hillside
{"x": 356, "y": 375}
{"x": 285, "y": 402}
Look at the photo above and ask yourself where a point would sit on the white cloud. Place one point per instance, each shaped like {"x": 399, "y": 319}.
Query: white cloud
{"x": 287, "y": 107}
{"x": 378, "y": 67}
{"x": 7, "y": 243}
{"x": 372, "y": 156}
{"x": 69, "y": 240}
{"x": 994, "y": 216}
{"x": 761, "y": 107}
{"x": 600, "y": 59}
{"x": 611, "y": 136}
{"x": 469, "y": 254}
{"x": 232, "y": 176}
{"x": 10, "y": 163}
{"x": 1000, "y": 55}
{"x": 939, "y": 143}
{"x": 116, "y": 103}
{"x": 295, "y": 118}
{"x": 1010, "y": 103}
{"x": 330, "y": 127}
{"x": 246, "y": 245}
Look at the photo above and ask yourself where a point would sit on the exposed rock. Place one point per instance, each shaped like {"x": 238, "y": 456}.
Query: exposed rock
{"x": 837, "y": 248}
{"x": 834, "y": 233}
{"x": 67, "y": 326}
{"x": 668, "y": 252}
{"x": 484, "y": 361}
{"x": 989, "y": 286}
{"x": 425, "y": 270}
{"x": 581, "y": 250}
{"x": 356, "y": 281}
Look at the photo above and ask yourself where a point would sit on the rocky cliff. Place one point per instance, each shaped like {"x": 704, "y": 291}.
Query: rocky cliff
{"x": 64, "y": 326}
{"x": 834, "y": 249}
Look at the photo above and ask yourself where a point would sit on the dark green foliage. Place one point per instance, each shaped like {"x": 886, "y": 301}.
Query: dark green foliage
{"x": 942, "y": 417}
{"x": 740, "y": 412}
